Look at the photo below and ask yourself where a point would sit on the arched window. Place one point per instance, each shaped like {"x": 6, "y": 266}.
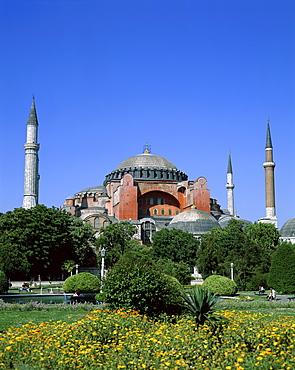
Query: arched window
{"x": 155, "y": 211}
{"x": 148, "y": 229}
{"x": 177, "y": 212}
{"x": 163, "y": 211}
{"x": 96, "y": 223}
{"x": 105, "y": 223}
{"x": 169, "y": 212}
{"x": 140, "y": 211}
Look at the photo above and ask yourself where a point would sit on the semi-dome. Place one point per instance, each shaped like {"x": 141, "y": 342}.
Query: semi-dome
{"x": 147, "y": 160}
{"x": 147, "y": 166}
{"x": 194, "y": 221}
{"x": 288, "y": 229}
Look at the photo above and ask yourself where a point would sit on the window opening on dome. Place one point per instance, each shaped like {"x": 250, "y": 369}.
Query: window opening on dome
{"x": 169, "y": 212}
{"x": 177, "y": 212}
{"x": 155, "y": 211}
{"x": 105, "y": 223}
{"x": 163, "y": 212}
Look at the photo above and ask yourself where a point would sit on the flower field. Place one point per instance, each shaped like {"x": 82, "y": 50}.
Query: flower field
{"x": 126, "y": 340}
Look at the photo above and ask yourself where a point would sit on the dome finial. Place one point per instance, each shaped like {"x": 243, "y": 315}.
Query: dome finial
{"x": 147, "y": 148}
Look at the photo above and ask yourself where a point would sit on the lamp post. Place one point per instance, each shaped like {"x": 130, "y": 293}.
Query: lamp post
{"x": 102, "y": 253}
{"x": 77, "y": 269}
{"x": 232, "y": 271}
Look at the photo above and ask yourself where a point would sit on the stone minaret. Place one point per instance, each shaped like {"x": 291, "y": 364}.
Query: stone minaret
{"x": 230, "y": 187}
{"x": 269, "y": 166}
{"x": 31, "y": 181}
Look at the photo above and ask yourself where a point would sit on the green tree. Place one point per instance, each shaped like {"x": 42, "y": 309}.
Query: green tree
{"x": 249, "y": 247}
{"x": 38, "y": 240}
{"x": 178, "y": 270}
{"x": 68, "y": 266}
{"x": 176, "y": 245}
{"x": 116, "y": 239}
{"x": 135, "y": 283}
{"x": 282, "y": 270}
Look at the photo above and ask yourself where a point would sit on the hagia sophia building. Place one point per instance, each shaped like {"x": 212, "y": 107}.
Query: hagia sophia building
{"x": 150, "y": 192}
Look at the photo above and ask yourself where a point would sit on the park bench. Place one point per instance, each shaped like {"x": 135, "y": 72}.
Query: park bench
{"x": 291, "y": 298}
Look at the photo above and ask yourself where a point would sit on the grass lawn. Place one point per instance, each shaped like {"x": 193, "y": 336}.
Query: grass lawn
{"x": 19, "y": 318}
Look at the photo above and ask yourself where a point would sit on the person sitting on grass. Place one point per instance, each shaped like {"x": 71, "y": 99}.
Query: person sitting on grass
{"x": 272, "y": 295}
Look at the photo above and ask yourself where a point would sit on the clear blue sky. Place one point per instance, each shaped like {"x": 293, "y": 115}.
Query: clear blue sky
{"x": 192, "y": 78}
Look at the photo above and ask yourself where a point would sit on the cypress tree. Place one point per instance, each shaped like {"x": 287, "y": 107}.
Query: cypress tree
{"x": 282, "y": 270}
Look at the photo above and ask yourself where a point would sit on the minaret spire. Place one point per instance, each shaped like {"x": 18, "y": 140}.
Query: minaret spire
{"x": 230, "y": 187}
{"x": 269, "y": 166}
{"x": 31, "y": 180}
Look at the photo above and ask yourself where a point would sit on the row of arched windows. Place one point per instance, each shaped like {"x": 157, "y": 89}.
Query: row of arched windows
{"x": 156, "y": 212}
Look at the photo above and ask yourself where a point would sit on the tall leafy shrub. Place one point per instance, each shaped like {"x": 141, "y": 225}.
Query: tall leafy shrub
{"x": 135, "y": 283}
{"x": 282, "y": 269}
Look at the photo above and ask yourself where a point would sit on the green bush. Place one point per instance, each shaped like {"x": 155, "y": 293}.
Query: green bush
{"x": 85, "y": 282}
{"x": 281, "y": 274}
{"x": 3, "y": 282}
{"x": 177, "y": 269}
{"x": 135, "y": 283}
{"x": 220, "y": 285}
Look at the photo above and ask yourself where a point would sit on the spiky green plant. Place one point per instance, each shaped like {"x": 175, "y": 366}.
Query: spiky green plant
{"x": 201, "y": 303}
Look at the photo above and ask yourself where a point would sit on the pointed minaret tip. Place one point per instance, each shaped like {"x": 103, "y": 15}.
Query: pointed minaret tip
{"x": 268, "y": 136}
{"x": 33, "y": 120}
{"x": 229, "y": 165}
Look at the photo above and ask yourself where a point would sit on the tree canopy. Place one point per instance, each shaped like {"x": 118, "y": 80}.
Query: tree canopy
{"x": 37, "y": 241}
{"x": 116, "y": 239}
{"x": 175, "y": 245}
{"x": 248, "y": 247}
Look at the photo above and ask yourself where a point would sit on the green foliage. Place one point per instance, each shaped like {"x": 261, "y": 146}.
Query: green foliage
{"x": 135, "y": 283}
{"x": 85, "y": 282}
{"x": 179, "y": 270}
{"x": 176, "y": 245}
{"x": 249, "y": 247}
{"x": 200, "y": 302}
{"x": 281, "y": 275}
{"x": 68, "y": 265}
{"x": 220, "y": 285}
{"x": 116, "y": 240}
{"x": 3, "y": 282}
{"x": 38, "y": 240}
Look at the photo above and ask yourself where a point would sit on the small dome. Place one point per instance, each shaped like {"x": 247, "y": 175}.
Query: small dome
{"x": 288, "y": 229}
{"x": 224, "y": 220}
{"x": 194, "y": 221}
{"x": 146, "y": 160}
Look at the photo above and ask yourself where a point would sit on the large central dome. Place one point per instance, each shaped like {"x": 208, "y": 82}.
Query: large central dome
{"x": 147, "y": 160}
{"x": 147, "y": 167}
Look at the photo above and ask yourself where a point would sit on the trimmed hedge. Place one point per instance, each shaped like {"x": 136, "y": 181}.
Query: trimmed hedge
{"x": 84, "y": 281}
{"x": 220, "y": 285}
